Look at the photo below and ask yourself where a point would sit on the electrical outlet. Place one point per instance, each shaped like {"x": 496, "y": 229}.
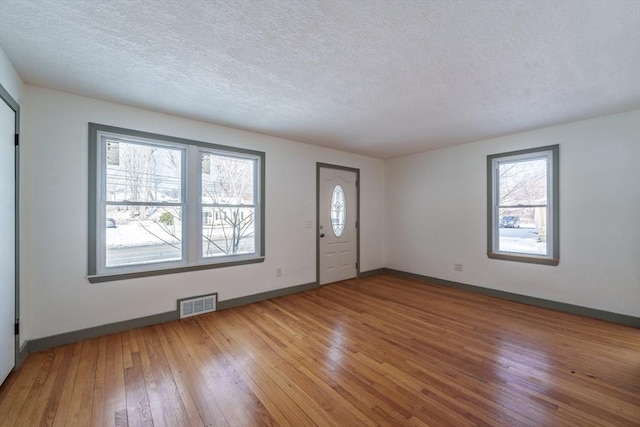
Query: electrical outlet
{"x": 307, "y": 224}
{"x": 457, "y": 267}
{"x": 278, "y": 272}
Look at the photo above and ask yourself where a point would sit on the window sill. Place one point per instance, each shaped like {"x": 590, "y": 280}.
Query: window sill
{"x": 99, "y": 278}
{"x": 520, "y": 258}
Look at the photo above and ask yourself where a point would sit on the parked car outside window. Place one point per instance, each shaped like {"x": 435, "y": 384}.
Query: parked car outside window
{"x": 510, "y": 221}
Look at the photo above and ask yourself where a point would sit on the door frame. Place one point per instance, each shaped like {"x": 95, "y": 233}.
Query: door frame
{"x": 319, "y": 166}
{"x": 6, "y": 97}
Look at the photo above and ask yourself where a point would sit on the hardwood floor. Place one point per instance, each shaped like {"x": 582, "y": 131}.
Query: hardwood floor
{"x": 383, "y": 350}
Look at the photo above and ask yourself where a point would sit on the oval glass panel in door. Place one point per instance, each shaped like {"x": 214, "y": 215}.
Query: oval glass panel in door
{"x": 338, "y": 210}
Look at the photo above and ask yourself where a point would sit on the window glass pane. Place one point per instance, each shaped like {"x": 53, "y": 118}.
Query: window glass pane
{"x": 523, "y": 182}
{"x": 228, "y": 231}
{"x": 338, "y": 210}
{"x": 227, "y": 180}
{"x": 523, "y": 230}
{"x": 142, "y": 234}
{"x": 143, "y": 173}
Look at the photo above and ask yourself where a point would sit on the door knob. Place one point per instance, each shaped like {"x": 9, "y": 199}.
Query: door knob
{"x": 321, "y": 234}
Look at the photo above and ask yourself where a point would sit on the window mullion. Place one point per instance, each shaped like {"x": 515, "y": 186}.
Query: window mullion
{"x": 550, "y": 207}
{"x": 496, "y": 205}
{"x": 523, "y": 206}
{"x": 101, "y": 167}
{"x": 220, "y": 206}
{"x": 126, "y": 203}
{"x": 192, "y": 204}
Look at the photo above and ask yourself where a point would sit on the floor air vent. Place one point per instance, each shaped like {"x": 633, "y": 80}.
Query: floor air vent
{"x": 197, "y": 305}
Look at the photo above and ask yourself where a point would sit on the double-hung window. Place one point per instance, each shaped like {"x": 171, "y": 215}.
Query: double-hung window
{"x": 159, "y": 204}
{"x": 523, "y": 205}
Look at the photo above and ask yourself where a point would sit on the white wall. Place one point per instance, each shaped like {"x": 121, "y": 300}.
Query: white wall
{"x": 436, "y": 215}
{"x": 419, "y": 213}
{"x": 54, "y": 223}
{"x": 9, "y": 78}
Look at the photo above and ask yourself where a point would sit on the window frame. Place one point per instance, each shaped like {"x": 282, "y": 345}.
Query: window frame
{"x": 191, "y": 205}
{"x": 553, "y": 206}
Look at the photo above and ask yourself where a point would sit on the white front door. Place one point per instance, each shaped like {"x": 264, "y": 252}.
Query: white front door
{"x": 7, "y": 240}
{"x": 337, "y": 229}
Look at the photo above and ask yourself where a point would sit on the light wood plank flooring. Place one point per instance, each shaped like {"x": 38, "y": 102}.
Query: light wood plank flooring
{"x": 384, "y": 350}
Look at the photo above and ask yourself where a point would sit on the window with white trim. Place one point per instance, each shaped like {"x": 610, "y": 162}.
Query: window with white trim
{"x": 523, "y": 205}
{"x": 160, "y": 204}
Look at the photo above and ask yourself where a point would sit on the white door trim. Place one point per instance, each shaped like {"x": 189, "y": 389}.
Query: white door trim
{"x": 6, "y": 98}
{"x": 319, "y": 166}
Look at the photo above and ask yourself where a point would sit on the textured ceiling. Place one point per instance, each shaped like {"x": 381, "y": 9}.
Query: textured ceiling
{"x": 383, "y": 78}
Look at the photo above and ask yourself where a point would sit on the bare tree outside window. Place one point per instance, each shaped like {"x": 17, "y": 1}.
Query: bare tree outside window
{"x": 523, "y": 182}
{"x": 228, "y": 203}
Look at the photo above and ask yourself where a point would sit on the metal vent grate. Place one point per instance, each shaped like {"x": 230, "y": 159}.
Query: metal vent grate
{"x": 197, "y": 305}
